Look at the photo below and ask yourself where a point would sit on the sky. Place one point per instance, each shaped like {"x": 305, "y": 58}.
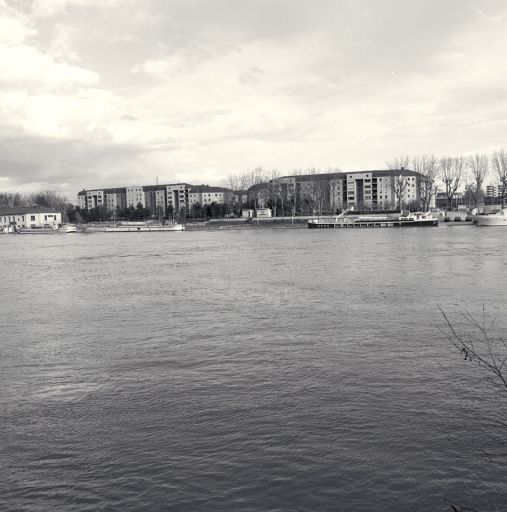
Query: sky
{"x": 111, "y": 93}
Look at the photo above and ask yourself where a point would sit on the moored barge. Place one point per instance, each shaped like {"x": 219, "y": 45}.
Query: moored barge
{"x": 375, "y": 221}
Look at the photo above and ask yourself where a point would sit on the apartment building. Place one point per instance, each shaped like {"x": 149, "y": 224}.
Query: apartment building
{"x": 115, "y": 198}
{"x": 207, "y": 195}
{"x": 135, "y": 196}
{"x": 308, "y": 194}
{"x": 328, "y": 192}
{"x": 161, "y": 200}
{"x": 157, "y": 198}
{"x": 178, "y": 196}
{"x": 493, "y": 190}
{"x": 88, "y": 199}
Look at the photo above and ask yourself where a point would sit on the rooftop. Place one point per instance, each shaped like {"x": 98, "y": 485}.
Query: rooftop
{"x": 25, "y": 210}
{"x": 208, "y": 188}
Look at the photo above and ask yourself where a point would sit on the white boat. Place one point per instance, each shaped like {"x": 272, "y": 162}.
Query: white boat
{"x": 67, "y": 228}
{"x": 373, "y": 220}
{"x": 492, "y": 219}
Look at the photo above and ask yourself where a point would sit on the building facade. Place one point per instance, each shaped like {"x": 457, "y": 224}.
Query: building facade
{"x": 135, "y": 196}
{"x": 205, "y": 195}
{"x": 493, "y": 191}
{"x": 178, "y": 196}
{"x": 307, "y": 194}
{"x": 89, "y": 199}
{"x": 30, "y": 217}
{"x": 158, "y": 198}
{"x": 328, "y": 192}
{"x": 115, "y": 199}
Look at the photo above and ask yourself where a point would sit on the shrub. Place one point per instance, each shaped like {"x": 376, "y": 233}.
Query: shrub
{"x": 457, "y": 219}
{"x": 447, "y": 219}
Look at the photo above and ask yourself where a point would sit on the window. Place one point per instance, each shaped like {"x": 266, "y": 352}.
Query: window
{"x": 32, "y": 217}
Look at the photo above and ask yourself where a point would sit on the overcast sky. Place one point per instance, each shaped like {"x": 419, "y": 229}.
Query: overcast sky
{"x": 117, "y": 92}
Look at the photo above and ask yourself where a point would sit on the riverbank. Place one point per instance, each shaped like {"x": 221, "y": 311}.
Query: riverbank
{"x": 268, "y": 223}
{"x": 256, "y": 223}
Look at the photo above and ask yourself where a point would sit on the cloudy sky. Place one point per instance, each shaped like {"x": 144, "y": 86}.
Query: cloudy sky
{"x": 117, "y": 92}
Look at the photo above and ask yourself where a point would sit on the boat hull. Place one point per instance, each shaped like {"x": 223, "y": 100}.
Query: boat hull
{"x": 143, "y": 229}
{"x": 490, "y": 220}
{"x": 37, "y": 231}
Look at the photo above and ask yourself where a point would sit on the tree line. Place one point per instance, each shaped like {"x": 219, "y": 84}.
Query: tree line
{"x": 455, "y": 172}
{"x": 314, "y": 195}
{"x": 141, "y": 213}
{"x": 47, "y": 198}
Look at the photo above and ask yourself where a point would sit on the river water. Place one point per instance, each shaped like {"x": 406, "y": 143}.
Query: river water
{"x": 269, "y": 370}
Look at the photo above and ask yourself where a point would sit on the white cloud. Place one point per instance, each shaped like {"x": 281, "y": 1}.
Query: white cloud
{"x": 167, "y": 67}
{"x": 15, "y": 28}
{"x": 50, "y": 8}
{"x": 61, "y": 48}
{"x": 26, "y": 67}
{"x": 84, "y": 115}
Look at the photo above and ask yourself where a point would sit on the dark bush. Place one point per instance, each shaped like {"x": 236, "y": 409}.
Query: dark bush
{"x": 468, "y": 218}
{"x": 457, "y": 219}
{"x": 447, "y": 219}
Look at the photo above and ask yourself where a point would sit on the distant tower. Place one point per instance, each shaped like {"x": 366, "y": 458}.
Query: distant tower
{"x": 156, "y": 180}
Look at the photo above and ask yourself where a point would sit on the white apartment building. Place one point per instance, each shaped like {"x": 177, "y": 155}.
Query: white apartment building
{"x": 110, "y": 198}
{"x": 493, "y": 190}
{"x": 89, "y": 199}
{"x": 378, "y": 188}
{"x": 135, "y": 196}
{"x": 207, "y": 195}
{"x": 115, "y": 199}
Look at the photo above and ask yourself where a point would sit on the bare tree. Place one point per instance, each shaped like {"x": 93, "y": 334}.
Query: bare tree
{"x": 477, "y": 345}
{"x": 335, "y": 200}
{"x": 400, "y": 162}
{"x": 427, "y": 166}
{"x": 452, "y": 171}
{"x": 8, "y": 199}
{"x": 246, "y": 179}
{"x": 399, "y": 184}
{"x": 479, "y": 167}
{"x": 474, "y": 340}
{"x": 313, "y": 190}
{"x": 275, "y": 191}
{"x": 233, "y": 182}
{"x": 499, "y": 164}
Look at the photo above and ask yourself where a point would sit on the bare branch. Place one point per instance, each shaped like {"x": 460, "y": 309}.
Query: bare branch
{"x": 479, "y": 167}
{"x": 499, "y": 165}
